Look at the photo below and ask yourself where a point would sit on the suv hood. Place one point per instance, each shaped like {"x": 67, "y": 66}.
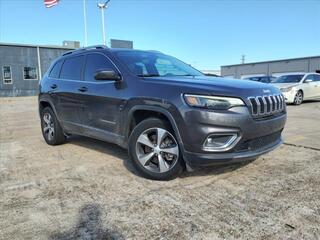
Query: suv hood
{"x": 216, "y": 85}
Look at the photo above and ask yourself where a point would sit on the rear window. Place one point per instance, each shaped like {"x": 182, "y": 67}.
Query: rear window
{"x": 72, "y": 68}
{"x": 56, "y": 70}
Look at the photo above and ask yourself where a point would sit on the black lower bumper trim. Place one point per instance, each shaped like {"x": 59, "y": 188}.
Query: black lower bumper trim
{"x": 211, "y": 159}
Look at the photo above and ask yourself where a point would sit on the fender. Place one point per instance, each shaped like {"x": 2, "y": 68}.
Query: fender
{"x": 47, "y": 100}
{"x": 159, "y": 110}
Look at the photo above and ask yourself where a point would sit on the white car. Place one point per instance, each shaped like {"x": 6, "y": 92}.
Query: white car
{"x": 299, "y": 87}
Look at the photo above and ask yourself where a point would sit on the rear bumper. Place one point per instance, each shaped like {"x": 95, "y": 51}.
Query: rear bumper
{"x": 205, "y": 160}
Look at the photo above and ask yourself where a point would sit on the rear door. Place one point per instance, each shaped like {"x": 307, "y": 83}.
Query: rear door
{"x": 102, "y": 100}
{"x": 68, "y": 93}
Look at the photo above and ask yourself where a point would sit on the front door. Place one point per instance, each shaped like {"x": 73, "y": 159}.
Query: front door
{"x": 102, "y": 100}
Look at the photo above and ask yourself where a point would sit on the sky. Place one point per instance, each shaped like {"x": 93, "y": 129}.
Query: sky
{"x": 203, "y": 33}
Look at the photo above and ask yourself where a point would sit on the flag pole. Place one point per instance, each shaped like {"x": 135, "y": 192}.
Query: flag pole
{"x": 85, "y": 24}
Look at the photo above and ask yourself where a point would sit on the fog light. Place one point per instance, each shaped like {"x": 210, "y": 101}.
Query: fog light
{"x": 220, "y": 141}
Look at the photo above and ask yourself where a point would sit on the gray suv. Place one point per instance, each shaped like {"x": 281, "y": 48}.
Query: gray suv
{"x": 166, "y": 113}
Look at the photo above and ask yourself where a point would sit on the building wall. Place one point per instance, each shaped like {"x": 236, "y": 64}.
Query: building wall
{"x": 18, "y": 57}
{"x": 276, "y": 68}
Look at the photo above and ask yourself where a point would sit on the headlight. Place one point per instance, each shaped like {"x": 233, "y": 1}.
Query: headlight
{"x": 212, "y": 102}
{"x": 288, "y": 89}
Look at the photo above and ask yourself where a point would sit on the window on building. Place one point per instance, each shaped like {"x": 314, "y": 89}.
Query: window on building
{"x": 30, "y": 73}
{"x": 72, "y": 68}
{"x": 7, "y": 76}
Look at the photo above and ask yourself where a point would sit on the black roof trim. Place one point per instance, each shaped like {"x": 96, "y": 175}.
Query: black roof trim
{"x": 86, "y": 48}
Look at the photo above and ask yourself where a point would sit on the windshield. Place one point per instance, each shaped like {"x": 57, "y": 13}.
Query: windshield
{"x": 153, "y": 64}
{"x": 289, "y": 79}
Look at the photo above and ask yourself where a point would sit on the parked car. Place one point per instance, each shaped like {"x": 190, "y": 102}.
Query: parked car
{"x": 166, "y": 113}
{"x": 263, "y": 79}
{"x": 299, "y": 87}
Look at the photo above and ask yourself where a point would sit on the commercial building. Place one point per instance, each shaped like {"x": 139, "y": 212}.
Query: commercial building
{"x": 275, "y": 68}
{"x": 22, "y": 65}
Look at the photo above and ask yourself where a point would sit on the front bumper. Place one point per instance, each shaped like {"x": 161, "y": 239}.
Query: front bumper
{"x": 289, "y": 96}
{"x": 204, "y": 160}
{"x": 257, "y": 136}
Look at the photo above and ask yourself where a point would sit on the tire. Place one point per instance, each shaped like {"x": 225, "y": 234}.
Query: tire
{"x": 153, "y": 160}
{"x": 298, "y": 99}
{"x": 50, "y": 127}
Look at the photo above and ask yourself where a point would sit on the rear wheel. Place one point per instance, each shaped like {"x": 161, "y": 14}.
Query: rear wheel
{"x": 154, "y": 150}
{"x": 298, "y": 99}
{"x": 51, "y": 129}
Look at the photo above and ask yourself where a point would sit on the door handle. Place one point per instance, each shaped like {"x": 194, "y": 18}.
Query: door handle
{"x": 54, "y": 86}
{"x": 83, "y": 89}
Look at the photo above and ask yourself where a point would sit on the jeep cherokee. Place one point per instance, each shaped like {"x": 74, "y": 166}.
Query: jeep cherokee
{"x": 166, "y": 113}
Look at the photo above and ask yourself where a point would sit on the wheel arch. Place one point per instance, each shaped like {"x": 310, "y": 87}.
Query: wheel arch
{"x": 43, "y": 103}
{"x": 150, "y": 111}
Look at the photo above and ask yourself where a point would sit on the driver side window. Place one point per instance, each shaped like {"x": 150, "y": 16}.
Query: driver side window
{"x": 309, "y": 77}
{"x": 316, "y": 78}
{"x": 94, "y": 63}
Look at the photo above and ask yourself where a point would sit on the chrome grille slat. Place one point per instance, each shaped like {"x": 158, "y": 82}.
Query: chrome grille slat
{"x": 266, "y": 105}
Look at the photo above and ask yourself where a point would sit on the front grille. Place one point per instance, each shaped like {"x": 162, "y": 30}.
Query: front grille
{"x": 262, "y": 106}
{"x": 258, "y": 143}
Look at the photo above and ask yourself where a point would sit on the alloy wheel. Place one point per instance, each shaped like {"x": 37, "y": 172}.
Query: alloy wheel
{"x": 157, "y": 150}
{"x": 298, "y": 98}
{"x": 48, "y": 126}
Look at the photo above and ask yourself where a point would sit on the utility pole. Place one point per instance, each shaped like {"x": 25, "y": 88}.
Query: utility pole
{"x": 243, "y": 59}
{"x": 102, "y": 7}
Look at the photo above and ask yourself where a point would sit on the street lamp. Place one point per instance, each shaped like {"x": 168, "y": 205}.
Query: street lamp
{"x": 103, "y": 6}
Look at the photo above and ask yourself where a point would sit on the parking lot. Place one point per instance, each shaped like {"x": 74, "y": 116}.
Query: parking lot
{"x": 88, "y": 189}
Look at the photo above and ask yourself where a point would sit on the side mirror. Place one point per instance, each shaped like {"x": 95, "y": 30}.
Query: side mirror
{"x": 308, "y": 80}
{"x": 107, "y": 75}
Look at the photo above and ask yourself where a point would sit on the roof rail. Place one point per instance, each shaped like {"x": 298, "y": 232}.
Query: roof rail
{"x": 154, "y": 51}
{"x": 86, "y": 48}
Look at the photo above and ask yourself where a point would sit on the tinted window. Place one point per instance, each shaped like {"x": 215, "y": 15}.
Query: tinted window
{"x": 56, "y": 70}
{"x": 316, "y": 78}
{"x": 72, "y": 68}
{"x": 96, "y": 62}
{"x": 265, "y": 79}
{"x": 253, "y": 79}
{"x": 309, "y": 77}
{"x": 272, "y": 79}
{"x": 289, "y": 78}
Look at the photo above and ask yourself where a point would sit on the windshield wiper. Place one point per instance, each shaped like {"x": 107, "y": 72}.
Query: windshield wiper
{"x": 148, "y": 75}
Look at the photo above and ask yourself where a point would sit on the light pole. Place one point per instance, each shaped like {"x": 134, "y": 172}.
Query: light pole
{"x": 85, "y": 23}
{"x": 103, "y": 6}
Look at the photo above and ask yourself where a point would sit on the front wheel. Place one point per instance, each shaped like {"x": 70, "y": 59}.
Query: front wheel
{"x": 154, "y": 150}
{"x": 298, "y": 99}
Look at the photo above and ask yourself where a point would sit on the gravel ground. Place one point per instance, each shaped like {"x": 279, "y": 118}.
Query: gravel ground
{"x": 87, "y": 189}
